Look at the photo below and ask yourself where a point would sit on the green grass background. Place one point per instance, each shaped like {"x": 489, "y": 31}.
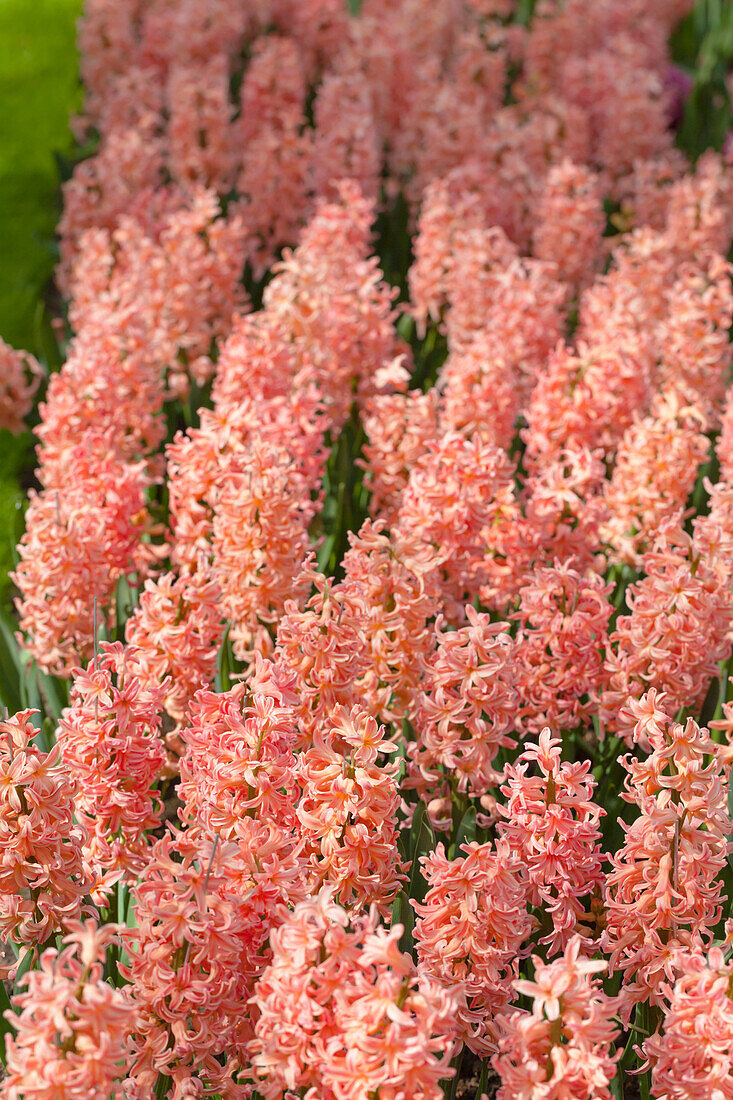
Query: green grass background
{"x": 39, "y": 89}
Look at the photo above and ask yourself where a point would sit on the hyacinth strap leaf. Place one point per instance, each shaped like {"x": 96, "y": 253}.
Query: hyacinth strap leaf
{"x": 706, "y": 42}
{"x": 11, "y": 664}
{"x": 403, "y": 913}
{"x": 420, "y": 841}
{"x": 5, "y": 1025}
{"x": 465, "y": 832}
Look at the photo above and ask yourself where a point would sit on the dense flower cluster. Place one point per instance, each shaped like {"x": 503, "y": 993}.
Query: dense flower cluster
{"x": 43, "y": 877}
{"x": 464, "y": 713}
{"x": 563, "y": 1046}
{"x": 173, "y": 637}
{"x": 110, "y": 742}
{"x": 677, "y": 629}
{"x": 348, "y": 810}
{"x": 693, "y": 1058}
{"x": 20, "y": 375}
{"x": 664, "y": 890}
{"x": 552, "y": 830}
{"x": 73, "y": 1026}
{"x": 470, "y": 931}
{"x": 345, "y": 989}
{"x": 383, "y": 498}
{"x": 188, "y": 968}
{"x": 84, "y": 532}
{"x": 563, "y": 618}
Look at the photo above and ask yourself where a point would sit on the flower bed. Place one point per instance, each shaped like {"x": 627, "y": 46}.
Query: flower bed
{"x": 369, "y": 731}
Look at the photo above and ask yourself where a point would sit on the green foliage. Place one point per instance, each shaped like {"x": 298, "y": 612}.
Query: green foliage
{"x": 17, "y": 456}
{"x": 394, "y": 243}
{"x": 465, "y": 832}
{"x": 5, "y": 1025}
{"x": 703, "y": 46}
{"x": 420, "y": 842}
{"x": 346, "y": 498}
{"x": 39, "y": 88}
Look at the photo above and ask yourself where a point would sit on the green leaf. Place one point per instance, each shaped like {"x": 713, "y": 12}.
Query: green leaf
{"x": 5, "y": 1025}
{"x": 406, "y": 326}
{"x": 24, "y": 966}
{"x": 457, "y": 1064}
{"x": 466, "y": 831}
{"x": 711, "y": 702}
{"x": 131, "y": 912}
{"x": 55, "y": 694}
{"x": 483, "y": 1080}
{"x": 403, "y": 913}
{"x": 163, "y": 1086}
{"x": 11, "y": 664}
{"x": 31, "y": 692}
{"x": 325, "y": 552}
{"x": 222, "y": 681}
{"x": 616, "y": 1086}
{"x": 421, "y": 840}
{"x": 46, "y": 738}
{"x": 730, "y": 814}
{"x": 707, "y": 115}
{"x": 525, "y": 11}
{"x": 125, "y": 602}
